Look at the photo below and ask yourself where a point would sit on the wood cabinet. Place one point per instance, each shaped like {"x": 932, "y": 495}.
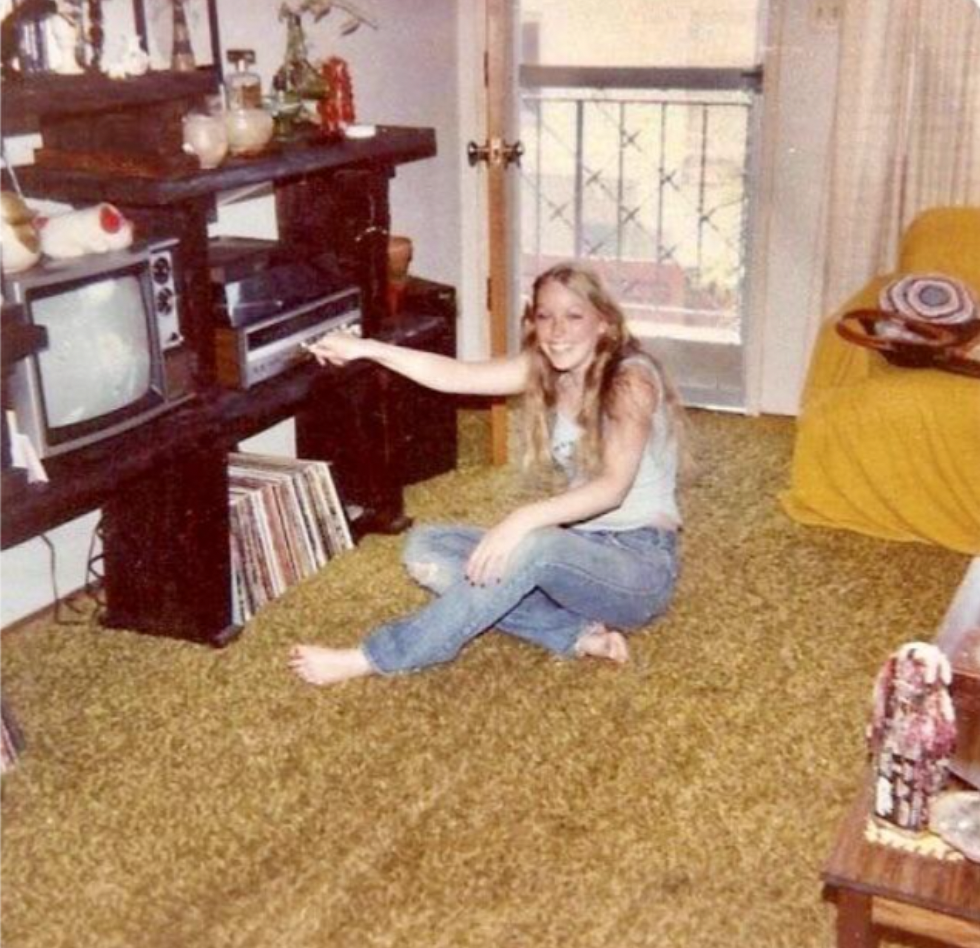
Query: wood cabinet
{"x": 163, "y": 486}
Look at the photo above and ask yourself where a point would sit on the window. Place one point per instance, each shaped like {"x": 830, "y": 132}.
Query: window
{"x": 637, "y": 123}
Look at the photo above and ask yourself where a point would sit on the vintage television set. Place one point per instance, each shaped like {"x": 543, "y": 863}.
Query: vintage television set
{"x": 102, "y": 370}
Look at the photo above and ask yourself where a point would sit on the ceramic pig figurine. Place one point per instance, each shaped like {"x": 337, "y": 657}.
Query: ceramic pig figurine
{"x": 94, "y": 229}
{"x": 912, "y": 734}
{"x": 20, "y": 243}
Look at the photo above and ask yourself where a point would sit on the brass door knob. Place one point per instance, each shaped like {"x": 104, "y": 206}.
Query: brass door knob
{"x": 495, "y": 151}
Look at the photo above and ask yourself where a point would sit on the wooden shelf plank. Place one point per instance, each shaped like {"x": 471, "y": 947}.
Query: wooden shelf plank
{"x": 392, "y": 145}
{"x": 27, "y": 101}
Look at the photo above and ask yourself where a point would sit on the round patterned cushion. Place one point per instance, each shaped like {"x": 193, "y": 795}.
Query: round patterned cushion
{"x": 933, "y": 299}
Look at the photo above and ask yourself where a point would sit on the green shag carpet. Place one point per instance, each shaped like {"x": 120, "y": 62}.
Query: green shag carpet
{"x": 173, "y": 796}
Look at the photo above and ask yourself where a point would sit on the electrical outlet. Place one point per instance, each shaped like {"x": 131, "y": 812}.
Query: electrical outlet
{"x": 826, "y": 14}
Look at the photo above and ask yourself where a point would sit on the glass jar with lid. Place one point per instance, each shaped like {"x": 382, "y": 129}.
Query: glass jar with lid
{"x": 243, "y": 88}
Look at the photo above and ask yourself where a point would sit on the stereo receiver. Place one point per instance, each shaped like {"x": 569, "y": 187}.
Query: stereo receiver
{"x": 267, "y": 305}
{"x": 265, "y": 347}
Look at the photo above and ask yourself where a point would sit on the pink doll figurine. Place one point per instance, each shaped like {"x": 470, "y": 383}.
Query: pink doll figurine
{"x": 912, "y": 734}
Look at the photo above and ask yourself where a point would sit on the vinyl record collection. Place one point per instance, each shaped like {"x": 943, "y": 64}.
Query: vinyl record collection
{"x": 287, "y": 521}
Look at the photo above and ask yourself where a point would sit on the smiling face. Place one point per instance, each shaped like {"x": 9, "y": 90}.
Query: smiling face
{"x": 568, "y": 328}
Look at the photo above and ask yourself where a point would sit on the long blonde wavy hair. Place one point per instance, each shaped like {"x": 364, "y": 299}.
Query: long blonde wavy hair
{"x": 603, "y": 389}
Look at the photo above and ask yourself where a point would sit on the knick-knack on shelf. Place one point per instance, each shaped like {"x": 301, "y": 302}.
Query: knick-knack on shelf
{"x": 96, "y": 34}
{"x": 96, "y": 229}
{"x": 182, "y": 55}
{"x": 336, "y": 104}
{"x": 912, "y": 734}
{"x": 400, "y": 252}
{"x": 297, "y": 75}
{"x": 63, "y": 37}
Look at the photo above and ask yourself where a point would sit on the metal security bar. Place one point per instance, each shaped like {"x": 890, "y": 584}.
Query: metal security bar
{"x": 644, "y": 172}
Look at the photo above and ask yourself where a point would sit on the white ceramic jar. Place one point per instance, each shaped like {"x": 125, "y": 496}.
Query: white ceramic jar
{"x": 249, "y": 130}
{"x": 206, "y": 137}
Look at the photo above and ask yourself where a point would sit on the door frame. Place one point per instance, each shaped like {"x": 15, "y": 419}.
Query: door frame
{"x": 474, "y": 340}
{"x": 488, "y": 291}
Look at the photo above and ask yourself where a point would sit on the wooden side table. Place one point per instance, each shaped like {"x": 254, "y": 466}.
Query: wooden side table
{"x": 878, "y": 887}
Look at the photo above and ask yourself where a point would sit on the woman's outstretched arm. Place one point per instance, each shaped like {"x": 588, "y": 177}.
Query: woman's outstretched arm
{"x": 441, "y": 373}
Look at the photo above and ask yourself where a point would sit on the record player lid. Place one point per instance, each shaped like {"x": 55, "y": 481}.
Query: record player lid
{"x": 276, "y": 289}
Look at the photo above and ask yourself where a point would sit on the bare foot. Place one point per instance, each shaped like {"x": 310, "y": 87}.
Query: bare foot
{"x": 600, "y": 642}
{"x": 328, "y": 666}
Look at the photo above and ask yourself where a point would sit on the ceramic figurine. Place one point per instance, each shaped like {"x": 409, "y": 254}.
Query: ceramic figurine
{"x": 89, "y": 230}
{"x": 912, "y": 734}
{"x": 206, "y": 138}
{"x": 248, "y": 130}
{"x": 62, "y": 34}
{"x": 20, "y": 242}
{"x": 132, "y": 60}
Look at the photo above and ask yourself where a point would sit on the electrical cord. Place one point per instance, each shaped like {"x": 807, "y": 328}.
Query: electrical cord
{"x": 94, "y": 574}
{"x": 93, "y": 588}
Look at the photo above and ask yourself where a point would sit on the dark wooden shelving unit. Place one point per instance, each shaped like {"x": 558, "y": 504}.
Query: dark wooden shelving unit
{"x": 163, "y": 486}
{"x": 32, "y": 100}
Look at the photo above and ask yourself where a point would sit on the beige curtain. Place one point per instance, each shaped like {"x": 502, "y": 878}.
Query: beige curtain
{"x": 906, "y": 131}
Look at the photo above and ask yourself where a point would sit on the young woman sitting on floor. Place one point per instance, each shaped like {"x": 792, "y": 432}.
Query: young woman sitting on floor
{"x": 568, "y": 572}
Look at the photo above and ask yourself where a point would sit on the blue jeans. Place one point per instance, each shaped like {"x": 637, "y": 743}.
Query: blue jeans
{"x": 558, "y": 581}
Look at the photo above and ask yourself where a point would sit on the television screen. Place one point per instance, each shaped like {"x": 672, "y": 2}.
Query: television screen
{"x": 98, "y": 355}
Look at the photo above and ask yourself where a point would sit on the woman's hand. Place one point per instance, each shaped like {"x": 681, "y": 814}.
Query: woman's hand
{"x": 488, "y": 562}
{"x": 339, "y": 348}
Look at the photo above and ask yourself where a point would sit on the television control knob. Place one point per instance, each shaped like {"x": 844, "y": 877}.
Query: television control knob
{"x": 162, "y": 269}
{"x": 165, "y": 300}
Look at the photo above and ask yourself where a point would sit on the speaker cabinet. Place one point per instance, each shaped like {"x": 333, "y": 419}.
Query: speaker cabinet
{"x": 425, "y": 421}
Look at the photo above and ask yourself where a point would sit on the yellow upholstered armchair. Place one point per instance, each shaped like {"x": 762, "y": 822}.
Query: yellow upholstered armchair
{"x": 888, "y": 451}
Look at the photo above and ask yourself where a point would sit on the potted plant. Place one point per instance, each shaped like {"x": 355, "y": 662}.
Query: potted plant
{"x": 298, "y": 77}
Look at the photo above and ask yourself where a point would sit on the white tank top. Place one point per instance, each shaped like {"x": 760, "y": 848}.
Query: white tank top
{"x": 652, "y": 500}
